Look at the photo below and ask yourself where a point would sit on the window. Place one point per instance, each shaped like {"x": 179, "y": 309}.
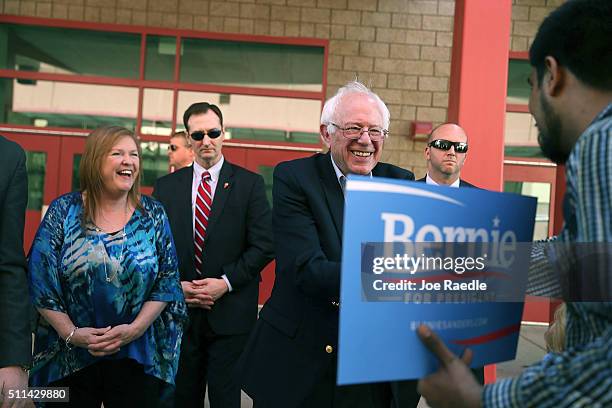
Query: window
{"x": 71, "y": 105}
{"x": 260, "y": 117}
{"x": 69, "y": 51}
{"x": 518, "y": 88}
{"x": 252, "y": 64}
{"x": 36, "y": 168}
{"x": 267, "y": 172}
{"x": 542, "y": 191}
{"x": 88, "y": 75}
{"x": 520, "y": 129}
{"x": 153, "y": 162}
{"x": 160, "y": 58}
{"x": 157, "y": 112}
{"x": 521, "y": 134}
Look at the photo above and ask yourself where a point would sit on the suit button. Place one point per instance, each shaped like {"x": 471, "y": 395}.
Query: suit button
{"x": 329, "y": 349}
{"x": 337, "y": 304}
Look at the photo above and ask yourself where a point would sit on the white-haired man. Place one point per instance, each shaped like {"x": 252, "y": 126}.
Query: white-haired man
{"x": 291, "y": 358}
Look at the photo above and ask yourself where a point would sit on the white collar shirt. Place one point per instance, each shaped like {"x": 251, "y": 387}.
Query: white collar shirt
{"x": 429, "y": 180}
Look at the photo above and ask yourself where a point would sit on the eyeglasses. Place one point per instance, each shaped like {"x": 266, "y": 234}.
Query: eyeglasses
{"x": 354, "y": 132}
{"x": 460, "y": 147}
{"x": 212, "y": 133}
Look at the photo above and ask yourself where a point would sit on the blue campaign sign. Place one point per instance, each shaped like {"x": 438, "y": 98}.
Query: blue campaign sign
{"x": 453, "y": 258}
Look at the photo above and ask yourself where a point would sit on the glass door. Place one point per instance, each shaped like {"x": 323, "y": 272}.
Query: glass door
{"x": 72, "y": 150}
{"x": 263, "y": 160}
{"x": 538, "y": 178}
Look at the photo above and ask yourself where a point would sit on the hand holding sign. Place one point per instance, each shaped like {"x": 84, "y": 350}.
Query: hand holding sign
{"x": 453, "y": 385}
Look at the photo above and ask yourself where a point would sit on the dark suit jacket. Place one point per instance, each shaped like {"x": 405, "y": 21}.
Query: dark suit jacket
{"x": 462, "y": 183}
{"x": 15, "y": 337}
{"x": 287, "y": 353}
{"x": 238, "y": 242}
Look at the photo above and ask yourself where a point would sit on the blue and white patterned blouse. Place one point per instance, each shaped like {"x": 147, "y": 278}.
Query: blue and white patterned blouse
{"x": 69, "y": 264}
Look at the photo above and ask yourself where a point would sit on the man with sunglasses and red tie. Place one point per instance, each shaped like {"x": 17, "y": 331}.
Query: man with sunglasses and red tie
{"x": 445, "y": 153}
{"x": 221, "y": 224}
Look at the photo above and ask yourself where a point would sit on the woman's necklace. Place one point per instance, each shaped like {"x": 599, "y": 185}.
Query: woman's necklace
{"x": 115, "y": 268}
{"x": 106, "y": 256}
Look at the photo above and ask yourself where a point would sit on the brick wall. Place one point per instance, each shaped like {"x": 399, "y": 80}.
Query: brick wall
{"x": 401, "y": 48}
{"x": 526, "y": 18}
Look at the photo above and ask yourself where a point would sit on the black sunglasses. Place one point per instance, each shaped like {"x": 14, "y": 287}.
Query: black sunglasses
{"x": 212, "y": 133}
{"x": 460, "y": 147}
{"x": 174, "y": 147}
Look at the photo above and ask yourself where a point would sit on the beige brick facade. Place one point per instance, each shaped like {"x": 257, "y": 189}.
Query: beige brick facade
{"x": 401, "y": 48}
{"x": 526, "y": 17}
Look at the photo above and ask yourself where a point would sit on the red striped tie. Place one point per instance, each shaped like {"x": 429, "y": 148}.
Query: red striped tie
{"x": 203, "y": 205}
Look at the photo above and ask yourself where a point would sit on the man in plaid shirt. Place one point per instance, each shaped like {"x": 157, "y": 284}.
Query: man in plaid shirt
{"x": 571, "y": 100}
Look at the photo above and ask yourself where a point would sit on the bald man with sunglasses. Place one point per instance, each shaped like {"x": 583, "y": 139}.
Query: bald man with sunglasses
{"x": 222, "y": 228}
{"x": 445, "y": 153}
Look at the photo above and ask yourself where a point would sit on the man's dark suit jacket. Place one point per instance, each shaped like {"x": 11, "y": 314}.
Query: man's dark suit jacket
{"x": 15, "y": 337}
{"x": 238, "y": 241}
{"x": 288, "y": 351}
{"x": 478, "y": 372}
{"x": 462, "y": 183}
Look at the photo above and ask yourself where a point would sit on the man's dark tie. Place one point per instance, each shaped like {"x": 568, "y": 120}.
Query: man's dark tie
{"x": 203, "y": 205}
{"x": 343, "y": 184}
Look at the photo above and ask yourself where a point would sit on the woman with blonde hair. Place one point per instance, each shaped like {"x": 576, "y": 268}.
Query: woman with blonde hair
{"x": 104, "y": 276}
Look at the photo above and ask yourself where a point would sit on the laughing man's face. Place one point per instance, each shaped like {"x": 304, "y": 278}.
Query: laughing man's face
{"x": 357, "y": 156}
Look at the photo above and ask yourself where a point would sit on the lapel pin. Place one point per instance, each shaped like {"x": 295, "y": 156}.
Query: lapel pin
{"x": 226, "y": 185}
